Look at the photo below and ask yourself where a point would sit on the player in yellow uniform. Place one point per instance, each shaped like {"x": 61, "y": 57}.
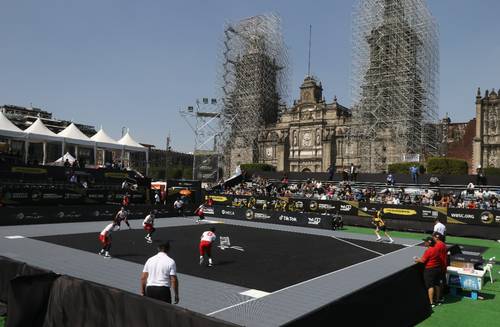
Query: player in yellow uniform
{"x": 380, "y": 226}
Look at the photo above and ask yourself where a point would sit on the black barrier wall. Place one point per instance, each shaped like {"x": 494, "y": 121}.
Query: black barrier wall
{"x": 272, "y": 217}
{"x": 49, "y": 215}
{"x": 36, "y": 297}
{"x": 379, "y": 304}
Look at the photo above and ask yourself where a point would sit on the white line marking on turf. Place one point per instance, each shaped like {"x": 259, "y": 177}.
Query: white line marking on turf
{"x": 14, "y": 237}
{"x": 256, "y": 294}
{"x": 309, "y": 280}
{"x": 356, "y": 245}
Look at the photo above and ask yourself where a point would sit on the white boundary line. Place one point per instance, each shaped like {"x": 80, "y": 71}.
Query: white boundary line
{"x": 309, "y": 280}
{"x": 356, "y": 245}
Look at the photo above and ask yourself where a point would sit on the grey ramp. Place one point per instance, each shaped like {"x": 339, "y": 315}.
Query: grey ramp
{"x": 293, "y": 302}
{"x": 197, "y": 294}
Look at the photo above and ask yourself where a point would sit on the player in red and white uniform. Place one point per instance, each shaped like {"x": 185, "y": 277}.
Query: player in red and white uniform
{"x": 121, "y": 216}
{"x": 148, "y": 225}
{"x": 200, "y": 213}
{"x": 207, "y": 238}
{"x": 105, "y": 239}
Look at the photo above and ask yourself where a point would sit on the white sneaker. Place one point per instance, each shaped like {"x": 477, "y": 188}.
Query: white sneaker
{"x": 378, "y": 239}
{"x": 149, "y": 241}
{"x": 201, "y": 261}
{"x": 106, "y": 255}
{"x": 100, "y": 252}
{"x": 210, "y": 265}
{"x": 391, "y": 241}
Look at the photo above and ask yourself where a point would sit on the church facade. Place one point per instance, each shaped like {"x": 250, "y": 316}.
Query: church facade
{"x": 486, "y": 144}
{"x": 309, "y": 136}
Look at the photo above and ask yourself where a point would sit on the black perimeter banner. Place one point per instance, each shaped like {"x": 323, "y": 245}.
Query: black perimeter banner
{"x": 320, "y": 208}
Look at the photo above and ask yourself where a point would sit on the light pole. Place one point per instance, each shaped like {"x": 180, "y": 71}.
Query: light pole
{"x": 204, "y": 122}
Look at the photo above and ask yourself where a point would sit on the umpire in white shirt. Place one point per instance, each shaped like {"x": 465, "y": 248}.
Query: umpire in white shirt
{"x": 159, "y": 276}
{"x": 440, "y": 228}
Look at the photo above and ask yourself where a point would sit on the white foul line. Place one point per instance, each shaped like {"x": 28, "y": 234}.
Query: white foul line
{"x": 354, "y": 244}
{"x": 309, "y": 280}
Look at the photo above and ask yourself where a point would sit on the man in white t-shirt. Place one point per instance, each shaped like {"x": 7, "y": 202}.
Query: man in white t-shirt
{"x": 206, "y": 240}
{"x": 159, "y": 275}
{"x": 440, "y": 228}
{"x": 121, "y": 215}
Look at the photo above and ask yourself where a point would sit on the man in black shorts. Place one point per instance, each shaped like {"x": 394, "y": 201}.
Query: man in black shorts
{"x": 433, "y": 270}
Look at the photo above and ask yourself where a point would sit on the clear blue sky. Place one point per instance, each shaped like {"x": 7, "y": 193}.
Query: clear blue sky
{"x": 136, "y": 63}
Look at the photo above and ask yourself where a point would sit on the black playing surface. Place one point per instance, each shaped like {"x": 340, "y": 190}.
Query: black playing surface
{"x": 271, "y": 259}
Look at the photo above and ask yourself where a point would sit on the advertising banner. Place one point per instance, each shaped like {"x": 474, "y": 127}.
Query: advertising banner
{"x": 474, "y": 217}
{"x": 286, "y": 204}
{"x": 272, "y": 217}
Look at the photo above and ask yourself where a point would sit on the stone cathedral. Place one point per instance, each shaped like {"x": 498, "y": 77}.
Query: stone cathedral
{"x": 307, "y": 137}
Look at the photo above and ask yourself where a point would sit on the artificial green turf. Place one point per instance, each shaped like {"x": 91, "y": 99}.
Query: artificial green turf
{"x": 457, "y": 311}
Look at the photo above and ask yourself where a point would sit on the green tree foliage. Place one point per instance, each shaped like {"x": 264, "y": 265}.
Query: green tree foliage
{"x": 492, "y": 171}
{"x": 447, "y": 166}
{"x": 257, "y": 167}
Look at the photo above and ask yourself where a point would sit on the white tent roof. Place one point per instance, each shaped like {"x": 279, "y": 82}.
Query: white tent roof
{"x": 104, "y": 140}
{"x": 130, "y": 143}
{"x": 68, "y": 156}
{"x": 73, "y": 135}
{"x": 39, "y": 131}
{"x": 7, "y": 128}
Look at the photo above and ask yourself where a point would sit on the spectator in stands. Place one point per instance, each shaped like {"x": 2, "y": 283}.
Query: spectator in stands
{"x": 353, "y": 174}
{"x": 414, "y": 174}
{"x": 75, "y": 164}
{"x": 345, "y": 175}
{"x": 331, "y": 172}
{"x": 434, "y": 181}
{"x": 432, "y": 272}
{"x": 445, "y": 201}
{"x": 390, "y": 180}
{"x": 471, "y": 205}
{"x": 66, "y": 163}
{"x": 480, "y": 178}
{"x": 284, "y": 180}
{"x": 73, "y": 179}
{"x": 157, "y": 198}
{"x": 471, "y": 188}
{"x": 159, "y": 275}
{"x": 436, "y": 198}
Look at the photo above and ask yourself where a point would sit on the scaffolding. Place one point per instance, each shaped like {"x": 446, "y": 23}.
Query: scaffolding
{"x": 253, "y": 83}
{"x": 394, "y": 83}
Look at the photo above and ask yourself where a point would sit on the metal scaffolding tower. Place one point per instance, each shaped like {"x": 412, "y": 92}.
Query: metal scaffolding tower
{"x": 394, "y": 82}
{"x": 253, "y": 82}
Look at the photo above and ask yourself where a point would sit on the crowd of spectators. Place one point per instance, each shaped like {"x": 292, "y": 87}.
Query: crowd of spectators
{"x": 470, "y": 197}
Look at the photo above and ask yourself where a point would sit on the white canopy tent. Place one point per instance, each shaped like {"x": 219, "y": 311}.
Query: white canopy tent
{"x": 62, "y": 160}
{"x": 130, "y": 144}
{"x": 7, "y": 128}
{"x": 71, "y": 134}
{"x": 38, "y": 132}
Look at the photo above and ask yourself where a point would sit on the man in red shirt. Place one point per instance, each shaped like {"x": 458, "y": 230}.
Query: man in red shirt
{"x": 443, "y": 253}
{"x": 433, "y": 269}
